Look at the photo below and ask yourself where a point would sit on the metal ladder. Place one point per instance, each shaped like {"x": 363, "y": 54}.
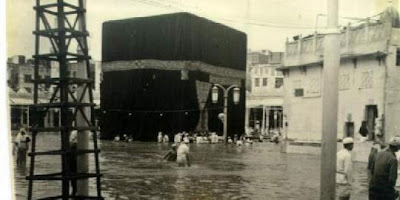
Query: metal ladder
{"x": 62, "y": 97}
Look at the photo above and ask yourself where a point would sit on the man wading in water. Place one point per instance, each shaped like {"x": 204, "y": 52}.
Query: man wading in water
{"x": 183, "y": 154}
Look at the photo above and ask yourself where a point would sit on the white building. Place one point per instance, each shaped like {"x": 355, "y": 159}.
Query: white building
{"x": 264, "y": 96}
{"x": 369, "y": 82}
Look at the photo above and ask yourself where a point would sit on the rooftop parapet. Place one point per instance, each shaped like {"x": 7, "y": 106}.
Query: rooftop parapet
{"x": 369, "y": 37}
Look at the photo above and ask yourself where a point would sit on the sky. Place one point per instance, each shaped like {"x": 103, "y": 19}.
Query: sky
{"x": 267, "y": 23}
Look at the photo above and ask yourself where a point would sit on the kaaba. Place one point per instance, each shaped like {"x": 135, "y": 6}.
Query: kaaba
{"x": 158, "y": 73}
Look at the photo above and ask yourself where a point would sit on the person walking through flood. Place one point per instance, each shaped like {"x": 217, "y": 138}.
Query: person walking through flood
{"x": 177, "y": 138}
{"x": 166, "y": 138}
{"x": 384, "y": 173}
{"x": 160, "y": 137}
{"x": 239, "y": 142}
{"x": 344, "y": 167}
{"x": 22, "y": 142}
{"x": 275, "y": 137}
{"x": 235, "y": 138}
{"x": 183, "y": 154}
{"x": 230, "y": 141}
{"x": 172, "y": 154}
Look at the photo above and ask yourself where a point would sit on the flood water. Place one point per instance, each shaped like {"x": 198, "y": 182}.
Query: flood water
{"x": 137, "y": 171}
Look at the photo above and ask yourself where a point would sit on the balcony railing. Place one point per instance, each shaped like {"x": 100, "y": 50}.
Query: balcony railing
{"x": 361, "y": 39}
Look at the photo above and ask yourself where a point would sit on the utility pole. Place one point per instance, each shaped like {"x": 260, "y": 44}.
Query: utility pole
{"x": 330, "y": 103}
{"x": 83, "y": 135}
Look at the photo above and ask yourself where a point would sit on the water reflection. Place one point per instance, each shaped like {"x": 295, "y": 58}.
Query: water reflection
{"x": 259, "y": 171}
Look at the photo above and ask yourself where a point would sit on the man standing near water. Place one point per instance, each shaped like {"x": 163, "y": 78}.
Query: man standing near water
{"x": 183, "y": 154}
{"x": 22, "y": 142}
{"x": 344, "y": 168}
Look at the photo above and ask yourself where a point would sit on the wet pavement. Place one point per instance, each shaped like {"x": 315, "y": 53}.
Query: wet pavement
{"x": 137, "y": 171}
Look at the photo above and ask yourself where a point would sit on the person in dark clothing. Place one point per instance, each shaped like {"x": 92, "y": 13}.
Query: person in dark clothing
{"x": 363, "y": 129}
{"x": 375, "y": 149}
{"x": 384, "y": 173}
{"x": 22, "y": 142}
{"x": 171, "y": 155}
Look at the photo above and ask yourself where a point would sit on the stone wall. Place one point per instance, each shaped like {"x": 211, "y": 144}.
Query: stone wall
{"x": 392, "y": 91}
{"x": 361, "y": 83}
{"x": 303, "y": 113}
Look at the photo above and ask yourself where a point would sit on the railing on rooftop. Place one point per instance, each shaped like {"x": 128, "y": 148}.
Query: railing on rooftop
{"x": 367, "y": 31}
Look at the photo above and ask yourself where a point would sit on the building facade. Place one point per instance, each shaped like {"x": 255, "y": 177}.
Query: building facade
{"x": 20, "y": 73}
{"x": 264, "y": 96}
{"x": 369, "y": 81}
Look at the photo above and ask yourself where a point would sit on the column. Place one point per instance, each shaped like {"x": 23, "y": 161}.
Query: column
{"x": 276, "y": 118}
{"x": 247, "y": 120}
{"x": 21, "y": 110}
{"x": 267, "y": 119}
{"x": 263, "y": 120}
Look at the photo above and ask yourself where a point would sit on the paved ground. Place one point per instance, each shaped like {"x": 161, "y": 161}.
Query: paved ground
{"x": 137, "y": 171}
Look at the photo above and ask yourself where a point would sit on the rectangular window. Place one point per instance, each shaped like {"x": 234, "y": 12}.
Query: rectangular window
{"x": 257, "y": 82}
{"x": 344, "y": 82}
{"x": 398, "y": 57}
{"x": 28, "y": 78}
{"x": 298, "y": 92}
{"x": 313, "y": 86}
{"x": 265, "y": 81}
{"x": 278, "y": 82}
{"x": 74, "y": 74}
{"x": 367, "y": 80}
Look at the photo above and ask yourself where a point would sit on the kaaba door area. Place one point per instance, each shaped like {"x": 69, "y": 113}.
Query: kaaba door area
{"x": 162, "y": 82}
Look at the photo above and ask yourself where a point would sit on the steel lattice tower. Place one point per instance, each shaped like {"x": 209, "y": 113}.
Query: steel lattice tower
{"x": 61, "y": 37}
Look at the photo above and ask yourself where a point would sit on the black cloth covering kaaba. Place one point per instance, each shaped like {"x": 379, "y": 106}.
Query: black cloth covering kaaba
{"x": 141, "y": 102}
{"x": 179, "y": 36}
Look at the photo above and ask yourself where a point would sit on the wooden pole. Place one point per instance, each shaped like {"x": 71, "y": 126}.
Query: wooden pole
{"x": 330, "y": 104}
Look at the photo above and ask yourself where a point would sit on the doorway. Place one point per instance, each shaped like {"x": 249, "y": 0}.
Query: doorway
{"x": 371, "y": 113}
